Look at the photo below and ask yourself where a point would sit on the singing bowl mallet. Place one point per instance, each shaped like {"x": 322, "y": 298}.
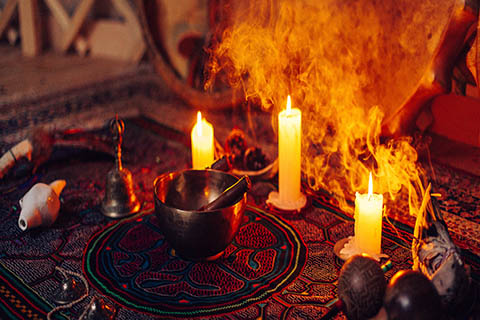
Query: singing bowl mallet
{"x": 221, "y": 164}
{"x": 229, "y": 196}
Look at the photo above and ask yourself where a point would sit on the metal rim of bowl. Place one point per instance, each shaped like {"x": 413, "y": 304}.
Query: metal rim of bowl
{"x": 178, "y": 173}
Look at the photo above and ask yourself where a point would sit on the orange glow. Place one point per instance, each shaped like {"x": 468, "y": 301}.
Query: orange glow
{"x": 339, "y": 60}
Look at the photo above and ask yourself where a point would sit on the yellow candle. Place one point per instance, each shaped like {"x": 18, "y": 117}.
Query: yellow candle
{"x": 202, "y": 143}
{"x": 368, "y": 220}
{"x": 289, "y": 154}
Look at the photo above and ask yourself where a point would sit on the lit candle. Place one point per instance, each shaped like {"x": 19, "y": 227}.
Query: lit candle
{"x": 289, "y": 154}
{"x": 368, "y": 220}
{"x": 202, "y": 143}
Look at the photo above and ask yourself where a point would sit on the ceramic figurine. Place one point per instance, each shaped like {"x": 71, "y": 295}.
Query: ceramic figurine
{"x": 40, "y": 205}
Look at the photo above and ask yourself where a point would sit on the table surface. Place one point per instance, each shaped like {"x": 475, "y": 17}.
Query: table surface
{"x": 279, "y": 266}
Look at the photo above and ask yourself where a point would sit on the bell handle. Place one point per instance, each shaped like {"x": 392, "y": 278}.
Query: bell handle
{"x": 117, "y": 127}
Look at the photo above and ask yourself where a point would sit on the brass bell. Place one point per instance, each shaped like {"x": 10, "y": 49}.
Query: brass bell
{"x": 120, "y": 199}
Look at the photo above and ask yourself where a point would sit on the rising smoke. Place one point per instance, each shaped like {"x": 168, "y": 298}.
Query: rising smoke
{"x": 347, "y": 65}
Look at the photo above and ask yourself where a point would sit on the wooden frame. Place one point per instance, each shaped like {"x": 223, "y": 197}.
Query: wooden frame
{"x": 128, "y": 32}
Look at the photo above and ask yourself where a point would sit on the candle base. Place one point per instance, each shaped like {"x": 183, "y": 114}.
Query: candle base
{"x": 346, "y": 248}
{"x": 298, "y": 205}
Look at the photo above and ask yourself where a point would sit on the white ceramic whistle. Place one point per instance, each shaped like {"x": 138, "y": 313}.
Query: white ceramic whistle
{"x": 40, "y": 205}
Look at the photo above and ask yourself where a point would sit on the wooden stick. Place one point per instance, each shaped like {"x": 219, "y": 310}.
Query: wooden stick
{"x": 63, "y": 19}
{"x": 7, "y": 14}
{"x": 421, "y": 214}
{"x": 30, "y": 27}
{"x": 22, "y": 149}
{"x": 76, "y": 23}
{"x": 334, "y": 309}
{"x": 59, "y": 13}
{"x": 421, "y": 211}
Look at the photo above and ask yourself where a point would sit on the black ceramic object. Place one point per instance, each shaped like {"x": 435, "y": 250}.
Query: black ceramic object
{"x": 361, "y": 287}
{"x": 69, "y": 290}
{"x": 194, "y": 234}
{"x": 99, "y": 309}
{"x": 410, "y": 295}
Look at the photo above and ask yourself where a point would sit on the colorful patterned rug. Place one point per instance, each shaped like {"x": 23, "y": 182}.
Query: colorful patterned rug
{"x": 20, "y": 301}
{"x": 298, "y": 266}
{"x": 275, "y": 268}
{"x": 131, "y": 263}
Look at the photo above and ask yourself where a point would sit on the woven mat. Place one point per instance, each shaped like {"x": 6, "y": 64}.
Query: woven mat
{"x": 307, "y": 269}
{"x": 131, "y": 263}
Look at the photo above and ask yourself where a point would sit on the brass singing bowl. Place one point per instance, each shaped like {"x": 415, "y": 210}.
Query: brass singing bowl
{"x": 197, "y": 235}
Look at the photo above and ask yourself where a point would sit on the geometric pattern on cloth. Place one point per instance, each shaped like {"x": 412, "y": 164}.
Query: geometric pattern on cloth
{"x": 131, "y": 263}
{"x": 18, "y": 301}
{"x": 32, "y": 256}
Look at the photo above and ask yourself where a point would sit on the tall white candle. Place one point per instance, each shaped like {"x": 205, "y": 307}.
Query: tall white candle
{"x": 202, "y": 143}
{"x": 368, "y": 220}
{"x": 289, "y": 154}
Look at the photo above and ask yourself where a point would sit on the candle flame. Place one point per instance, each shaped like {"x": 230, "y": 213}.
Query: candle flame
{"x": 370, "y": 185}
{"x": 289, "y": 105}
{"x": 199, "y": 123}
